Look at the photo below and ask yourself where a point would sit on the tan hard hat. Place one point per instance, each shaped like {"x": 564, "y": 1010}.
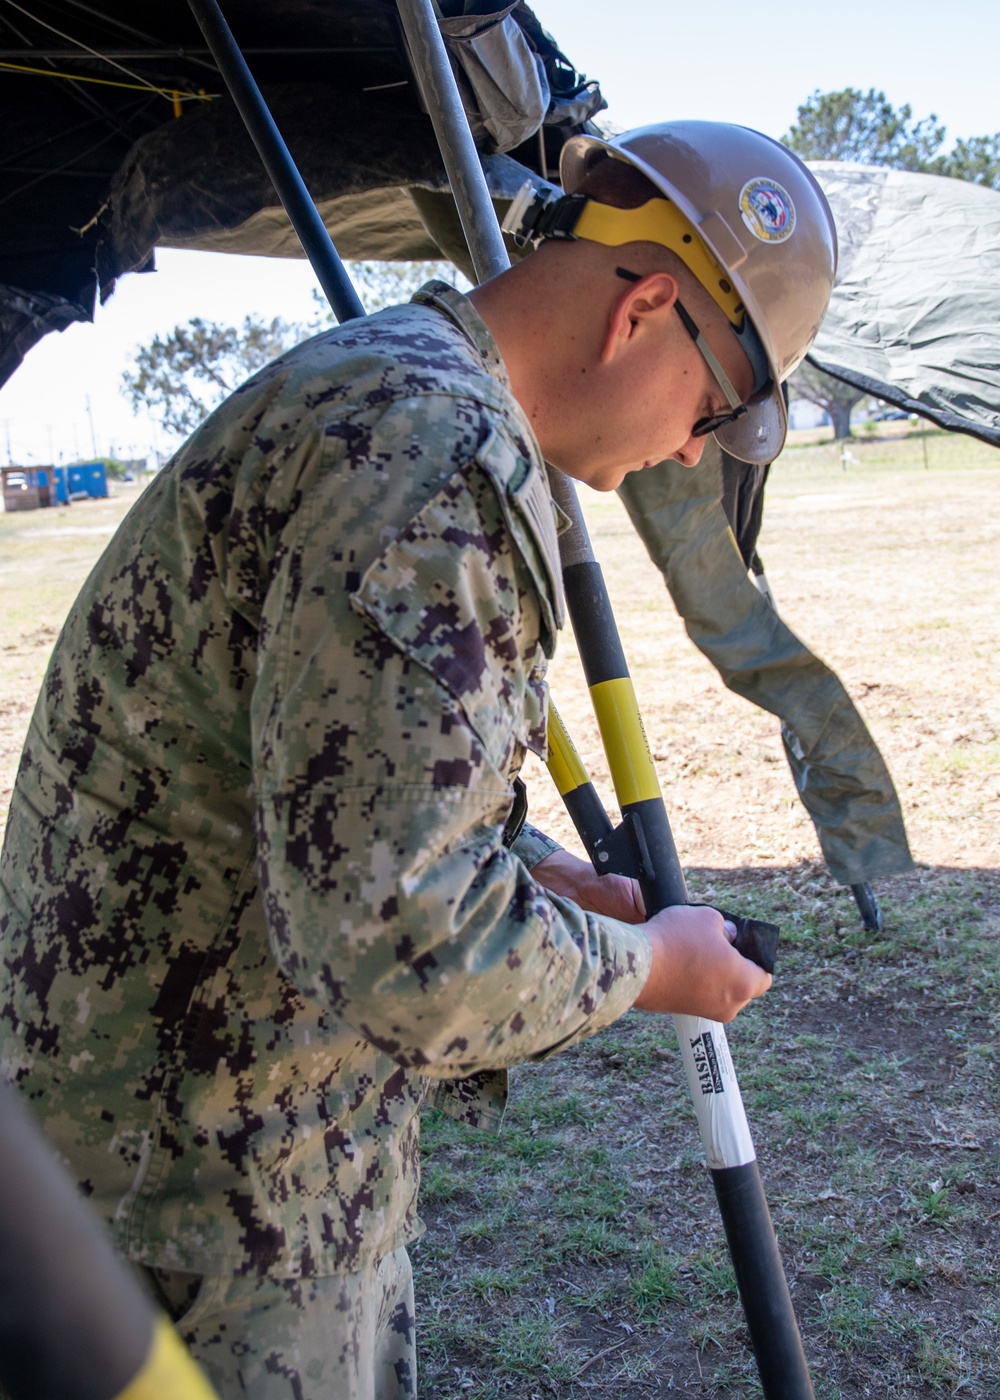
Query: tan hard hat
{"x": 768, "y": 228}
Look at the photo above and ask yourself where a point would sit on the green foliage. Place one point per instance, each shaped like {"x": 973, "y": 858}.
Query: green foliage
{"x": 656, "y": 1286}
{"x": 381, "y": 284}
{"x": 182, "y": 376}
{"x": 848, "y": 1313}
{"x": 439, "y": 1182}
{"x": 832, "y": 395}
{"x": 865, "y": 127}
{"x": 713, "y": 1270}
{"x": 930, "y": 1205}
{"x": 976, "y": 160}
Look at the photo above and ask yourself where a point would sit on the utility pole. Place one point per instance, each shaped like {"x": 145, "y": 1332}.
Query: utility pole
{"x": 93, "y": 437}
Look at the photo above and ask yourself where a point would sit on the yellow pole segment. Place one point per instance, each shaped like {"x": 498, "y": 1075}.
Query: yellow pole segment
{"x": 564, "y": 763}
{"x": 168, "y": 1372}
{"x": 625, "y": 742}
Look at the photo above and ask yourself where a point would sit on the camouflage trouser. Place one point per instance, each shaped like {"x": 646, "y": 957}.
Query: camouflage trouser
{"x": 344, "y": 1337}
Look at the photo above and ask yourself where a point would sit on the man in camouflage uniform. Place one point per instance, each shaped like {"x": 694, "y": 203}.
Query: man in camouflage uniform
{"x": 255, "y": 901}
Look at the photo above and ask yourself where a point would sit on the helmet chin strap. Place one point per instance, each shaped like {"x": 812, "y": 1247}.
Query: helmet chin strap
{"x": 752, "y": 347}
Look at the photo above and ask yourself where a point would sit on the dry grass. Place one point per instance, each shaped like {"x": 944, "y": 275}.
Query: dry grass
{"x": 890, "y": 573}
{"x": 45, "y": 555}
{"x": 580, "y": 1250}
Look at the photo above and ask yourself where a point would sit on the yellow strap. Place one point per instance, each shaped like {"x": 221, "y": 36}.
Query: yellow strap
{"x": 175, "y": 96}
{"x": 564, "y": 762}
{"x": 660, "y": 221}
{"x": 168, "y": 1372}
{"x": 625, "y": 742}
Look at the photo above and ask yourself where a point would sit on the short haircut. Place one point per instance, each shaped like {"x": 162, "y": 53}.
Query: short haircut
{"x": 619, "y": 184}
{"x": 616, "y": 182}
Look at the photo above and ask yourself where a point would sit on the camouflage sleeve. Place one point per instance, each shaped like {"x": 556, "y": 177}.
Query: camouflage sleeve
{"x": 394, "y": 699}
{"x": 532, "y": 845}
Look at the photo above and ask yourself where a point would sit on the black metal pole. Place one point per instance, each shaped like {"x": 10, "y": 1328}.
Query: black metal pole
{"x": 74, "y": 1320}
{"x": 764, "y": 1292}
{"x": 296, "y": 199}
{"x": 732, "y": 1163}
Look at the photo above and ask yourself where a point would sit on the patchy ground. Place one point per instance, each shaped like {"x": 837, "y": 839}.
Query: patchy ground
{"x": 580, "y": 1250}
{"x": 890, "y": 575}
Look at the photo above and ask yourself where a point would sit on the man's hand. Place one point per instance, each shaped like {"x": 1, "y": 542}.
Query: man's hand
{"x": 695, "y": 970}
{"x": 615, "y": 896}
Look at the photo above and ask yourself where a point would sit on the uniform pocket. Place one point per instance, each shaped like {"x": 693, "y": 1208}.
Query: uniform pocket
{"x": 455, "y": 592}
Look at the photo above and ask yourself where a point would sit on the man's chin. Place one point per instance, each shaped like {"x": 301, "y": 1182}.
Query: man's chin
{"x": 598, "y": 479}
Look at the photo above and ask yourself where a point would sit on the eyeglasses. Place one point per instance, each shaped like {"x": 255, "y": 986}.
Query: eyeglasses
{"x": 737, "y": 408}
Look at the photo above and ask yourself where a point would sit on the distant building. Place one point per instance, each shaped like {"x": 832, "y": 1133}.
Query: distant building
{"x": 30, "y": 488}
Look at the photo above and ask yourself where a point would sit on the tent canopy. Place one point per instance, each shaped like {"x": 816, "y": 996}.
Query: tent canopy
{"x": 915, "y": 313}
{"x": 118, "y": 136}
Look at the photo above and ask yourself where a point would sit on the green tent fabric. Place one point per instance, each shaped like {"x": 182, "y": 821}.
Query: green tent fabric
{"x": 840, "y": 775}
{"x": 915, "y": 309}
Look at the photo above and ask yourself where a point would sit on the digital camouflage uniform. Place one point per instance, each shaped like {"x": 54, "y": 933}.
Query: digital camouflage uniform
{"x": 253, "y": 896}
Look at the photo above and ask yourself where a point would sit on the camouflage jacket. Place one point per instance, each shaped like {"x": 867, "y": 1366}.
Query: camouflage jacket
{"x": 253, "y": 897}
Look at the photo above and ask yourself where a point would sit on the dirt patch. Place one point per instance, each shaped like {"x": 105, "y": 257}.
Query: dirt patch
{"x": 898, "y": 592}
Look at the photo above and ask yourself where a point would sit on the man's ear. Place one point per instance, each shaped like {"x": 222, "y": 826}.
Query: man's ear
{"x": 640, "y": 305}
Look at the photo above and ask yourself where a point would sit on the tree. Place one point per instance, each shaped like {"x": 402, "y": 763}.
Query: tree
{"x": 976, "y": 160}
{"x": 865, "y": 127}
{"x": 832, "y": 395}
{"x": 182, "y": 376}
{"x": 381, "y": 284}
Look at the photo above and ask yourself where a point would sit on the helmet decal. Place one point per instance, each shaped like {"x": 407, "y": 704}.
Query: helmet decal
{"x": 767, "y": 210}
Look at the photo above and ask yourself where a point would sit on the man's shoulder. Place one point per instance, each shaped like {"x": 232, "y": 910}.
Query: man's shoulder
{"x": 402, "y": 352}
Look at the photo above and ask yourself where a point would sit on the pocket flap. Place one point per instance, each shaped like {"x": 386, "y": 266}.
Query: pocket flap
{"x": 456, "y": 592}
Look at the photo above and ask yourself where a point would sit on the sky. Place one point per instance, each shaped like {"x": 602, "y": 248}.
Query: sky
{"x": 725, "y": 61}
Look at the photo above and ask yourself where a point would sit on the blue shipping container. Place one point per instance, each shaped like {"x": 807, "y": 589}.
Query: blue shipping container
{"x": 87, "y": 479}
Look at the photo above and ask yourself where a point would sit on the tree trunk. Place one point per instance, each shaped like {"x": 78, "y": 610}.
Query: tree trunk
{"x": 840, "y": 415}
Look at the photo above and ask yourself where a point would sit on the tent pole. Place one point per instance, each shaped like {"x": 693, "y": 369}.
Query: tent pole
{"x": 729, "y": 1150}
{"x": 432, "y": 67}
{"x": 291, "y": 189}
